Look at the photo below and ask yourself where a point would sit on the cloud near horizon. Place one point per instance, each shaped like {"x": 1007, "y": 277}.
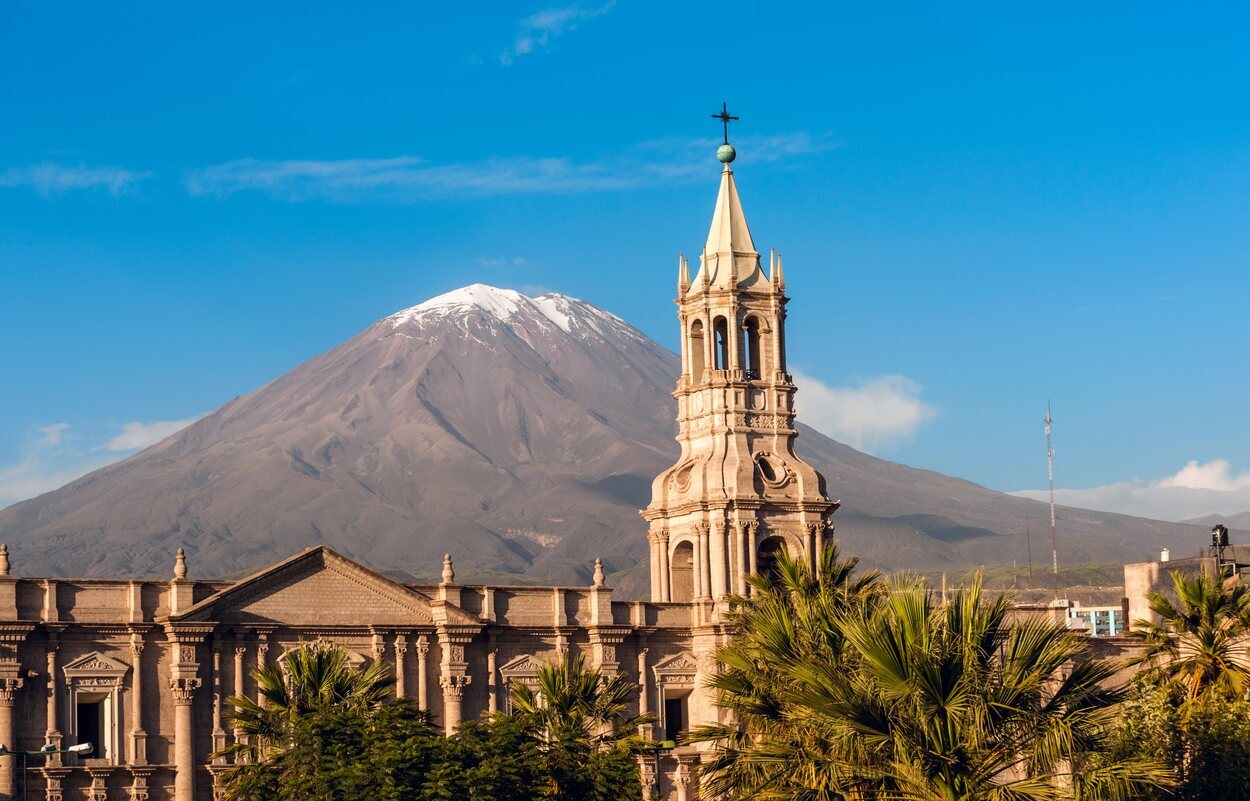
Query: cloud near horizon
{"x": 54, "y": 179}
{"x": 56, "y": 457}
{"x": 141, "y": 435}
{"x": 536, "y": 31}
{"x": 1196, "y": 490}
{"x": 407, "y": 178}
{"x": 878, "y": 414}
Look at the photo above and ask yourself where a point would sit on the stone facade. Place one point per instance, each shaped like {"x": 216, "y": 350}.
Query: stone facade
{"x": 143, "y": 669}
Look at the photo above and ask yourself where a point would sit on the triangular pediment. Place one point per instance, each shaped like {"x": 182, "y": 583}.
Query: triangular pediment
{"x": 525, "y": 665}
{"x": 678, "y": 663}
{"x": 321, "y": 588}
{"x": 95, "y": 664}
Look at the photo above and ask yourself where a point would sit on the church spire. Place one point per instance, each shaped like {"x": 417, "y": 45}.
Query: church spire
{"x": 730, "y": 259}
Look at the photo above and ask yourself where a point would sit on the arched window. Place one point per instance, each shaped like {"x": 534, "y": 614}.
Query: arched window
{"x": 722, "y": 343}
{"x": 769, "y": 549}
{"x": 681, "y": 570}
{"x": 696, "y": 352}
{"x": 754, "y": 365}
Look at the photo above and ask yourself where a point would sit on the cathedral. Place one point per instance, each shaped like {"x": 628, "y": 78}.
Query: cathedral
{"x": 143, "y": 670}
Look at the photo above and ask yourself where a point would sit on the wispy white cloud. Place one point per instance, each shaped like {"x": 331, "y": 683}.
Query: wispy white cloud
{"x": 52, "y": 179}
{"x": 875, "y": 415}
{"x": 536, "y": 31}
{"x": 515, "y": 261}
{"x": 407, "y": 178}
{"x": 1196, "y": 490}
{"x": 140, "y": 435}
{"x": 56, "y": 454}
{"x": 52, "y": 434}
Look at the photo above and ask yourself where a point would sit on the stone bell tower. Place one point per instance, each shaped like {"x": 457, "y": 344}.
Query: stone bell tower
{"x": 738, "y": 493}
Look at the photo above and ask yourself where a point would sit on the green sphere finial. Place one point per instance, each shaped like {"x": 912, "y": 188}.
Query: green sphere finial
{"x": 726, "y": 153}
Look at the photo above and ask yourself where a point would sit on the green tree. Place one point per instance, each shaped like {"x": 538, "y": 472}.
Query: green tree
{"x": 1206, "y": 747}
{"x": 317, "y": 708}
{"x": 1199, "y": 641}
{"x": 581, "y": 722}
{"x": 790, "y": 619}
{"x": 865, "y": 695}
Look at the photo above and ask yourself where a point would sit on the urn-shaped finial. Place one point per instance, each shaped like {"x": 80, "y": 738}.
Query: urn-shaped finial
{"x": 449, "y": 575}
{"x": 600, "y": 578}
{"x": 4, "y": 559}
{"x": 180, "y": 564}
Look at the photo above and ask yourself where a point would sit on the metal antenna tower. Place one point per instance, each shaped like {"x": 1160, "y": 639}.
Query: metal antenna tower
{"x": 1050, "y": 474}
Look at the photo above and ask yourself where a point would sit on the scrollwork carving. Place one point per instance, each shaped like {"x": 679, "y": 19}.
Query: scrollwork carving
{"x": 183, "y": 689}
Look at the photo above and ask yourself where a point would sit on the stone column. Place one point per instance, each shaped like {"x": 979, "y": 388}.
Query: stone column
{"x": 810, "y": 545}
{"x": 666, "y": 571}
{"x": 718, "y": 559}
{"x": 747, "y": 534}
{"x": 644, "y": 692}
{"x": 401, "y": 648}
{"x": 183, "y": 690}
{"x": 423, "y": 689}
{"x": 705, "y": 563}
{"x": 657, "y": 592}
{"x": 262, "y": 648}
{"x": 696, "y": 567}
{"x": 219, "y": 731}
{"x": 240, "y": 651}
{"x": 755, "y": 550}
{"x": 9, "y": 685}
{"x": 453, "y": 675}
{"x": 184, "y": 680}
{"x": 53, "y": 733}
{"x": 453, "y": 700}
{"x": 492, "y": 702}
{"x": 138, "y": 737}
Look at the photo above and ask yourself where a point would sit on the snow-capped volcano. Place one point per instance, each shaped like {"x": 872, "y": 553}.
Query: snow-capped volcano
{"x": 570, "y": 315}
{"x": 521, "y": 434}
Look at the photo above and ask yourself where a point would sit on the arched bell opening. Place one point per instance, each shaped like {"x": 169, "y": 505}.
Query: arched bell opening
{"x": 696, "y": 352}
{"x": 721, "y": 327}
{"x": 769, "y": 550}
{"x": 754, "y": 353}
{"x": 681, "y": 573}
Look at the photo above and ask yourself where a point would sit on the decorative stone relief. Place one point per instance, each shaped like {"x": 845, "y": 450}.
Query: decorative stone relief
{"x": 184, "y": 689}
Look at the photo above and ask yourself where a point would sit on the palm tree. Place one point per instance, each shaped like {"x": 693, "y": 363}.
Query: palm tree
{"x": 789, "y": 620}
{"x": 581, "y": 722}
{"x": 1199, "y": 642}
{"x": 569, "y": 699}
{"x": 900, "y": 697}
{"x": 315, "y": 677}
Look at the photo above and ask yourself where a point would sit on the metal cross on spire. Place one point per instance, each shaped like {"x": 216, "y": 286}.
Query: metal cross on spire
{"x": 725, "y": 117}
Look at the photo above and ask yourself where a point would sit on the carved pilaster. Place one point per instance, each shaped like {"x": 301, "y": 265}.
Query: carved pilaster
{"x": 98, "y": 791}
{"x": 138, "y": 789}
{"x": 401, "y": 649}
{"x": 184, "y": 680}
{"x": 54, "y": 779}
{"x": 138, "y": 736}
{"x": 219, "y": 731}
{"x": 240, "y": 651}
{"x": 423, "y": 691}
{"x": 453, "y": 676}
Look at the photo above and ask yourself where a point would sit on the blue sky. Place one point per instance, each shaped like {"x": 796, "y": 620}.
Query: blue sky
{"x": 981, "y": 207}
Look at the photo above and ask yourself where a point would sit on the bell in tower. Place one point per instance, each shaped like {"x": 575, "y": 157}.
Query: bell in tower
{"x": 738, "y": 494}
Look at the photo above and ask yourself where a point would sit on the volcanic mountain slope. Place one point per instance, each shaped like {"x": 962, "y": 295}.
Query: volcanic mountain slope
{"x": 520, "y": 434}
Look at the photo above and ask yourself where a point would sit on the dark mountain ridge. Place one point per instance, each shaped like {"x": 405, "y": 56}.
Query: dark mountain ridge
{"x": 520, "y": 434}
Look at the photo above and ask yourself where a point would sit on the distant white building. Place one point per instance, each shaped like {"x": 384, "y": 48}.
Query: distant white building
{"x": 1097, "y": 621}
